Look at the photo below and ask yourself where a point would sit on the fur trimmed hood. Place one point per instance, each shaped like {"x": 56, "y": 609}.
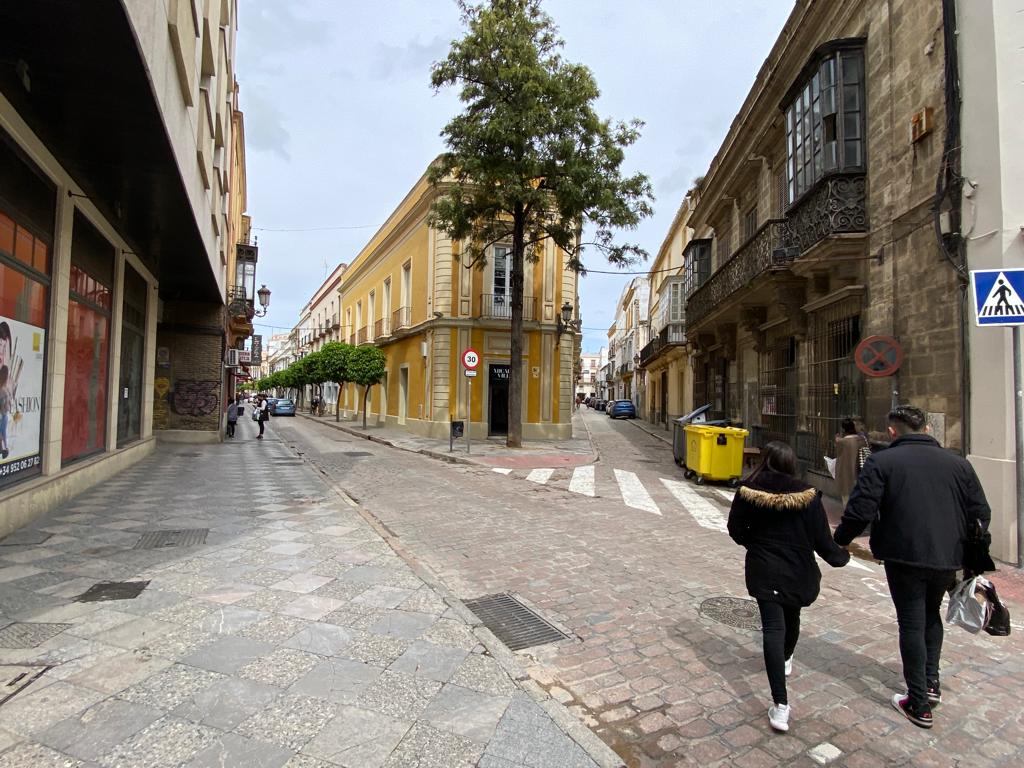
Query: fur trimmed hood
{"x": 776, "y": 491}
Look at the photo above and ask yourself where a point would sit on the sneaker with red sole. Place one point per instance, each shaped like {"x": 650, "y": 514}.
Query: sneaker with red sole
{"x": 934, "y": 693}
{"x": 922, "y": 718}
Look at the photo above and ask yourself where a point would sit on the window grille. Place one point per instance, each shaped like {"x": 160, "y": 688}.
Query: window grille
{"x": 777, "y": 390}
{"x": 835, "y": 386}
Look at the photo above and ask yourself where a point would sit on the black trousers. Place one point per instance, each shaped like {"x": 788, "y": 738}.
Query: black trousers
{"x": 262, "y": 422}
{"x": 780, "y": 630}
{"x": 231, "y": 429}
{"x": 917, "y": 596}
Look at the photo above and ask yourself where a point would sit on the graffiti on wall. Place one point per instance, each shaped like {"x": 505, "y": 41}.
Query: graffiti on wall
{"x": 195, "y": 397}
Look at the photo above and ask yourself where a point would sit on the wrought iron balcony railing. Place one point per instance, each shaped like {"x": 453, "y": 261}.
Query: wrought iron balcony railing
{"x": 836, "y": 205}
{"x": 763, "y": 252}
{"x": 626, "y": 368}
{"x": 362, "y": 336}
{"x": 401, "y": 318}
{"x": 672, "y": 335}
{"x": 382, "y": 328}
{"x": 499, "y": 306}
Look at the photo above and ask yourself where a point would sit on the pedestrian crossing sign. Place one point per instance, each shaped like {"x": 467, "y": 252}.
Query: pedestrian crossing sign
{"x": 998, "y": 296}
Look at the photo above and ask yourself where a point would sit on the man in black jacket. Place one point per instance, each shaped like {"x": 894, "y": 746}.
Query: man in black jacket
{"x": 921, "y": 501}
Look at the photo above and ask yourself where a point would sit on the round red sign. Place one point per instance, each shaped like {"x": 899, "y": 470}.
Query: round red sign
{"x": 878, "y": 356}
{"x": 470, "y": 359}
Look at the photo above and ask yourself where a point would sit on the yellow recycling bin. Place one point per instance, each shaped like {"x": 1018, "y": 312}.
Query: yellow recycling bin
{"x": 714, "y": 453}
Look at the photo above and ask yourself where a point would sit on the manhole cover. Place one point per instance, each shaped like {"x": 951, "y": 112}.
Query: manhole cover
{"x": 513, "y": 623}
{"x": 189, "y": 455}
{"x": 28, "y": 635}
{"x": 732, "y": 611}
{"x": 22, "y": 538}
{"x": 14, "y": 678}
{"x": 188, "y": 537}
{"x": 355, "y": 453}
{"x": 112, "y": 590}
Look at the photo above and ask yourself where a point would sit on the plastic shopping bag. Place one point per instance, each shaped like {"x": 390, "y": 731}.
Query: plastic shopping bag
{"x": 831, "y": 464}
{"x": 968, "y": 605}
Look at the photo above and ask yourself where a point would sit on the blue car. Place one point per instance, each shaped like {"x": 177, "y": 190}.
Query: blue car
{"x": 283, "y": 407}
{"x": 622, "y": 409}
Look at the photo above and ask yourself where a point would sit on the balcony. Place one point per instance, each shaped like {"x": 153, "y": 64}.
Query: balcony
{"x": 382, "y": 328}
{"x": 626, "y": 369}
{"x": 672, "y": 335}
{"x": 836, "y": 206}
{"x": 401, "y": 318}
{"x": 335, "y": 323}
{"x": 764, "y": 252}
{"x": 361, "y": 336}
{"x": 499, "y": 307}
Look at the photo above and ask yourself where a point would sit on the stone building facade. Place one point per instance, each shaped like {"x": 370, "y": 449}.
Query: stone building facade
{"x": 816, "y": 227}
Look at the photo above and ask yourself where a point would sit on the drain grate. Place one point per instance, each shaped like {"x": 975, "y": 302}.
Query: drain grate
{"x": 513, "y": 623}
{"x": 112, "y": 590}
{"x": 21, "y": 538}
{"x": 28, "y": 635}
{"x": 14, "y": 678}
{"x": 189, "y": 455}
{"x": 733, "y": 612}
{"x": 188, "y": 537}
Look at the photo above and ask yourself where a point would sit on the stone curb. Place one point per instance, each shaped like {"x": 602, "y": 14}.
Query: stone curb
{"x": 432, "y": 453}
{"x": 588, "y": 741}
{"x": 667, "y": 440}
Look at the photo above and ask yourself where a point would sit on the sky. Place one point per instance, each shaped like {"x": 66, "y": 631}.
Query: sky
{"x": 341, "y": 120}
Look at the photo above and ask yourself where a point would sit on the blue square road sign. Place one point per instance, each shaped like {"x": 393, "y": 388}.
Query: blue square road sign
{"x": 998, "y": 296}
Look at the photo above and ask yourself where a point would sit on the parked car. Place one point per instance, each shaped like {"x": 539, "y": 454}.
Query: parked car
{"x": 283, "y": 407}
{"x": 597, "y": 404}
{"x": 622, "y": 409}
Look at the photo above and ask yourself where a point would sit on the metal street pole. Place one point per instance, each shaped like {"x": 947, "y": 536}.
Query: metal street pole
{"x": 469, "y": 409}
{"x": 1018, "y": 414}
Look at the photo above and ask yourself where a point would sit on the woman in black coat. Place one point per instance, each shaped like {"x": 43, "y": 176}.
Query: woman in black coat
{"x": 782, "y": 523}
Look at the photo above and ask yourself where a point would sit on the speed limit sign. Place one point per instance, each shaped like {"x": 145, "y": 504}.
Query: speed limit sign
{"x": 470, "y": 359}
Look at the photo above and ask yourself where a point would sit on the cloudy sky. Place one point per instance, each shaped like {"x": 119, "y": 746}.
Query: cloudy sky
{"x": 340, "y": 118}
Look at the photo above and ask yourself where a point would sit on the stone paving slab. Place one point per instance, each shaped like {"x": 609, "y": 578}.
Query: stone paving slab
{"x": 294, "y": 636}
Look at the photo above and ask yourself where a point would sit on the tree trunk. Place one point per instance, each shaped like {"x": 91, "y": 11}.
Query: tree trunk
{"x": 366, "y": 393}
{"x": 515, "y": 374}
{"x": 337, "y": 405}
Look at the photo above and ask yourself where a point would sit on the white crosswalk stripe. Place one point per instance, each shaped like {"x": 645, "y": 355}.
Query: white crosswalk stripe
{"x": 633, "y": 492}
{"x": 725, "y": 494}
{"x": 583, "y": 480}
{"x": 703, "y": 511}
{"x": 502, "y": 470}
{"x": 540, "y": 475}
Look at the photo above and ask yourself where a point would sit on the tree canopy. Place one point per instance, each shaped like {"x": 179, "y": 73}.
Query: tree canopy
{"x": 529, "y": 159}
{"x": 366, "y": 366}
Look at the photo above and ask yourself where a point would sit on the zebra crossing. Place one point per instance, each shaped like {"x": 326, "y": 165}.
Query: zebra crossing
{"x": 707, "y": 511}
{"x": 708, "y": 506}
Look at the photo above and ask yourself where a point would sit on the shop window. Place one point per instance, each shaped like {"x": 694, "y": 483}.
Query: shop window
{"x": 133, "y": 345}
{"x": 88, "y": 353}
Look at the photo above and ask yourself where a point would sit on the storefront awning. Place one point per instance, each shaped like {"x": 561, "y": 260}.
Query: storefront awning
{"x": 75, "y": 74}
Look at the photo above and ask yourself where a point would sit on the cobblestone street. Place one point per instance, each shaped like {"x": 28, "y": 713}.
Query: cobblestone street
{"x": 656, "y": 677}
{"x": 274, "y": 627}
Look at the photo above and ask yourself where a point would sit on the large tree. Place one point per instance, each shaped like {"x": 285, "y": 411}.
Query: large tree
{"x": 332, "y": 365}
{"x": 529, "y": 159}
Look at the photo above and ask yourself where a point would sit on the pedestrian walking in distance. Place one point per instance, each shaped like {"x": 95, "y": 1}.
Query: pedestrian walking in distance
{"x": 922, "y": 501}
{"x": 263, "y": 414}
{"x": 782, "y": 523}
{"x": 850, "y": 446}
{"x": 233, "y": 416}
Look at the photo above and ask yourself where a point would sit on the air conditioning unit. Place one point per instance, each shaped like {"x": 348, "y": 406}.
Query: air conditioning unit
{"x": 232, "y": 358}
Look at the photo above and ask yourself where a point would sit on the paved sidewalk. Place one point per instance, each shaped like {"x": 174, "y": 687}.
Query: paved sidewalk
{"x": 483, "y": 451}
{"x": 292, "y": 636}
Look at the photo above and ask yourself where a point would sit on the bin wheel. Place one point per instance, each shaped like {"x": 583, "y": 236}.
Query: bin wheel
{"x": 700, "y": 480}
{"x": 734, "y": 482}
{"x": 688, "y": 474}
{"x": 679, "y": 462}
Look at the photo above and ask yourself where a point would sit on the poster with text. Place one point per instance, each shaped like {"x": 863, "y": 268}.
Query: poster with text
{"x": 22, "y": 358}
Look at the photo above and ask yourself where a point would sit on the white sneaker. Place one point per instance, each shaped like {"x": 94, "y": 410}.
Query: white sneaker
{"x": 778, "y": 717}
{"x": 789, "y": 666}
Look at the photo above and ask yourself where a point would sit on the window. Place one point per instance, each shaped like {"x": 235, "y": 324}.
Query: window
{"x": 406, "y": 284}
{"x": 750, "y": 223}
{"x": 825, "y": 117}
{"x": 696, "y": 265}
{"x": 87, "y": 364}
{"x": 502, "y": 279}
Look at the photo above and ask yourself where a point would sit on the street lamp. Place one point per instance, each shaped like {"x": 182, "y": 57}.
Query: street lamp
{"x": 564, "y": 320}
{"x": 264, "y": 296}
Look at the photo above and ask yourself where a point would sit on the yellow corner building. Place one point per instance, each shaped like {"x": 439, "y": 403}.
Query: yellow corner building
{"x": 408, "y": 292}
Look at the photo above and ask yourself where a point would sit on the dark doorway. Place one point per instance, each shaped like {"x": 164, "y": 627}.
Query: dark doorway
{"x": 133, "y": 335}
{"x": 497, "y": 422}
{"x": 664, "y": 398}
